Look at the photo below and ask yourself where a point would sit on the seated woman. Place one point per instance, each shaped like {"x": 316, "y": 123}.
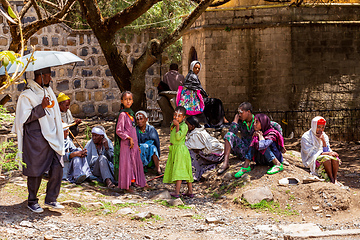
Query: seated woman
{"x": 205, "y": 151}
{"x": 316, "y": 153}
{"x": 266, "y": 147}
{"x": 77, "y": 168}
{"x": 196, "y": 101}
{"x": 149, "y": 141}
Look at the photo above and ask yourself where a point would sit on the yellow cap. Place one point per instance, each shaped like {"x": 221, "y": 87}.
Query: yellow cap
{"x": 62, "y": 97}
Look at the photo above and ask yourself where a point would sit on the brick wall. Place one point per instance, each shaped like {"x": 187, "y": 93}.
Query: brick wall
{"x": 90, "y": 85}
{"x": 279, "y": 58}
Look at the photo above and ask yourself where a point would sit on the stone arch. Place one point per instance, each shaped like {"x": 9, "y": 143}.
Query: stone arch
{"x": 192, "y": 56}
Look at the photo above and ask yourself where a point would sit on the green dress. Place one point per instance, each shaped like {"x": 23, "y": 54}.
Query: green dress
{"x": 178, "y": 166}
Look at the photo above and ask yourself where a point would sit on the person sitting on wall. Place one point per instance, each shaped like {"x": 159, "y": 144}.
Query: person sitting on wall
{"x": 205, "y": 151}
{"x": 172, "y": 79}
{"x": 100, "y": 155}
{"x": 316, "y": 153}
{"x": 149, "y": 142}
{"x": 266, "y": 147}
{"x": 76, "y": 168}
{"x": 66, "y": 116}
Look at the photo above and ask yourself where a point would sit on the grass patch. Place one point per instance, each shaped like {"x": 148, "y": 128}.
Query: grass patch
{"x": 270, "y": 206}
{"x": 215, "y": 195}
{"x": 166, "y": 204}
{"x": 157, "y": 218}
{"x": 197, "y": 216}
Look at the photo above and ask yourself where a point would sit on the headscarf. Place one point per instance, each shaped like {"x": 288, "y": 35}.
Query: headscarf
{"x": 192, "y": 81}
{"x": 62, "y": 97}
{"x": 141, "y": 112}
{"x": 268, "y": 131}
{"x": 311, "y": 145}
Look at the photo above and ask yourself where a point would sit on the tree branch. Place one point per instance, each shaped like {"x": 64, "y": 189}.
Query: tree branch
{"x": 52, "y": 5}
{"x": 37, "y": 9}
{"x": 129, "y": 14}
{"x": 24, "y": 9}
{"x": 92, "y": 13}
{"x": 214, "y": 4}
{"x": 186, "y": 24}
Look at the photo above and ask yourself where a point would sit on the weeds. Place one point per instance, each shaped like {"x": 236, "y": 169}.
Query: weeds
{"x": 166, "y": 204}
{"x": 197, "y": 216}
{"x": 270, "y": 206}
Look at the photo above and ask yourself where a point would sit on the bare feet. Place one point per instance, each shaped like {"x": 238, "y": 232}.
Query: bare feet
{"x": 109, "y": 183}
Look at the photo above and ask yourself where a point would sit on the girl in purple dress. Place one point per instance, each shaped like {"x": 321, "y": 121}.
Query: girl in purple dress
{"x": 130, "y": 165}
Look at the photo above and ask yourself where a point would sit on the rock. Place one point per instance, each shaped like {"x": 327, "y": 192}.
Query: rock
{"x": 53, "y": 227}
{"x": 117, "y": 201}
{"x": 47, "y": 237}
{"x": 289, "y": 181}
{"x": 213, "y": 220}
{"x": 257, "y": 195}
{"x": 106, "y": 211}
{"x": 95, "y": 204}
{"x": 71, "y": 203}
{"x": 175, "y": 202}
{"x": 315, "y": 208}
{"x": 228, "y": 176}
{"x": 162, "y": 195}
{"x": 187, "y": 215}
{"x": 143, "y": 215}
{"x": 125, "y": 211}
{"x": 328, "y": 215}
{"x": 26, "y": 224}
{"x": 300, "y": 228}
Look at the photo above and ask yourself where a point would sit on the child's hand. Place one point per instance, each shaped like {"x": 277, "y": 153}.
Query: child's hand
{"x": 131, "y": 142}
{"x": 176, "y": 122}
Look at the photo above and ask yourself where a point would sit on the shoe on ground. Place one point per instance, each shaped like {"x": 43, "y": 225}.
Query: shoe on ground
{"x": 275, "y": 169}
{"x": 55, "y": 205}
{"x": 242, "y": 172}
{"x": 80, "y": 179}
{"x": 35, "y": 208}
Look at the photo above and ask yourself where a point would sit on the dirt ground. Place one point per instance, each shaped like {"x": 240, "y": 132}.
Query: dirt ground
{"x": 325, "y": 204}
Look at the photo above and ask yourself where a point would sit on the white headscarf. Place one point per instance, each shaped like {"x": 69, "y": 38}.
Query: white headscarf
{"x": 98, "y": 130}
{"x": 193, "y": 63}
{"x": 51, "y": 125}
{"x": 141, "y": 112}
{"x": 312, "y": 146}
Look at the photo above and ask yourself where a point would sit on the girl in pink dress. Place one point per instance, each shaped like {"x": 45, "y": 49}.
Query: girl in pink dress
{"x": 130, "y": 165}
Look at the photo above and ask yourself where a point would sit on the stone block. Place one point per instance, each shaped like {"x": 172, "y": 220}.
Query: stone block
{"x": 115, "y": 107}
{"x": 63, "y": 85}
{"x": 81, "y": 39}
{"x": 86, "y": 73}
{"x": 99, "y": 96}
{"x": 88, "y": 108}
{"x": 71, "y": 42}
{"x": 103, "y": 108}
{"x": 84, "y": 51}
{"x": 70, "y": 72}
{"x": 28, "y": 19}
{"x": 75, "y": 109}
{"x": 5, "y": 29}
{"x": 33, "y": 41}
{"x": 55, "y": 41}
{"x": 80, "y": 96}
{"x": 89, "y": 94}
{"x": 105, "y": 83}
{"x": 108, "y": 73}
{"x": 94, "y": 50}
{"x": 77, "y": 83}
{"x": 257, "y": 195}
{"x": 91, "y": 84}
{"x": 102, "y": 60}
{"x": 150, "y": 71}
{"x": 156, "y": 81}
{"x": 109, "y": 96}
{"x": 45, "y": 41}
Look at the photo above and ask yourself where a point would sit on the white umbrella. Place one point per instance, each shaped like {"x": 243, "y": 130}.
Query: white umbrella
{"x": 44, "y": 59}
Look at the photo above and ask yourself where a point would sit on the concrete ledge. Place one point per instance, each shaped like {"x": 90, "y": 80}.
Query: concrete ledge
{"x": 339, "y": 234}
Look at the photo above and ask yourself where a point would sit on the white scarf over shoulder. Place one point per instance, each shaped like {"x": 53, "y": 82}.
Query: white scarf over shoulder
{"x": 200, "y": 139}
{"x": 51, "y": 125}
{"x": 312, "y": 146}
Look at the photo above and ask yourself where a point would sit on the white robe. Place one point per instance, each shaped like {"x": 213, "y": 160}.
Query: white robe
{"x": 200, "y": 139}
{"x": 312, "y": 146}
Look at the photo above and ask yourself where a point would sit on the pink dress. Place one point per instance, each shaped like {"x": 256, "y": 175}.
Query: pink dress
{"x": 130, "y": 165}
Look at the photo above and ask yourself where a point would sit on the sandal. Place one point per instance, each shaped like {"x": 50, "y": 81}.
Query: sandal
{"x": 174, "y": 195}
{"x": 109, "y": 183}
{"x": 189, "y": 195}
{"x": 241, "y": 172}
{"x": 222, "y": 170}
{"x": 275, "y": 169}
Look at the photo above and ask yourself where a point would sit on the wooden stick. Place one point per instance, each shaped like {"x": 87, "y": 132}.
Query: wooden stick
{"x": 155, "y": 178}
{"x": 75, "y": 139}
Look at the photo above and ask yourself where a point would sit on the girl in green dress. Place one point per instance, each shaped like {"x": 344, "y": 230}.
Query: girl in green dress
{"x": 178, "y": 167}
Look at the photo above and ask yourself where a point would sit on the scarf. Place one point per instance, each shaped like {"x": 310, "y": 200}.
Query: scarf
{"x": 192, "y": 81}
{"x": 51, "y": 125}
{"x": 269, "y": 133}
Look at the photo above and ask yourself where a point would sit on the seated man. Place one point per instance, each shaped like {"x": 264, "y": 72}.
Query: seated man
{"x": 66, "y": 116}
{"x": 172, "y": 79}
{"x": 316, "y": 153}
{"x": 100, "y": 154}
{"x": 76, "y": 168}
{"x": 148, "y": 140}
{"x": 239, "y": 146}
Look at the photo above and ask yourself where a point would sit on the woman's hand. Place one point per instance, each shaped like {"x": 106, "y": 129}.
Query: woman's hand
{"x": 131, "y": 142}
{"x": 322, "y": 138}
{"x": 105, "y": 144}
{"x": 236, "y": 118}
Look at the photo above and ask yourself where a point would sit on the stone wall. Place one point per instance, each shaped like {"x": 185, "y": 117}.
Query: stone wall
{"x": 90, "y": 85}
{"x": 279, "y": 58}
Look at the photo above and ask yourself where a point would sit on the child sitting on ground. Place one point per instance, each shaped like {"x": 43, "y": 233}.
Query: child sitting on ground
{"x": 178, "y": 166}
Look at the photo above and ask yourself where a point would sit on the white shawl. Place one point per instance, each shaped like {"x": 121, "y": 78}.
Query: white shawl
{"x": 67, "y": 117}
{"x": 51, "y": 125}
{"x": 312, "y": 146}
{"x": 200, "y": 139}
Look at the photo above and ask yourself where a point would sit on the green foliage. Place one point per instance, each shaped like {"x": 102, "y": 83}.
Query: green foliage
{"x": 8, "y": 160}
{"x": 197, "y": 216}
{"x": 270, "y": 206}
{"x": 166, "y": 204}
{"x": 4, "y": 116}
{"x": 9, "y": 56}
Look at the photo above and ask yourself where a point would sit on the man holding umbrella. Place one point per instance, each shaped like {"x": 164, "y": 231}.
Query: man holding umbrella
{"x": 40, "y": 138}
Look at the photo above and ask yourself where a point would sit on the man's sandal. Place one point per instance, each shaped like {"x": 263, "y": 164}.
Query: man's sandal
{"x": 241, "y": 172}
{"x": 275, "y": 169}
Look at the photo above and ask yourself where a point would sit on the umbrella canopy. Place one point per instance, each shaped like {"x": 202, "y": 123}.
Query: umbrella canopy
{"x": 44, "y": 59}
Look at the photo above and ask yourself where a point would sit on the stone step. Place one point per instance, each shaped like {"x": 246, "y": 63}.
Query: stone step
{"x": 325, "y": 235}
